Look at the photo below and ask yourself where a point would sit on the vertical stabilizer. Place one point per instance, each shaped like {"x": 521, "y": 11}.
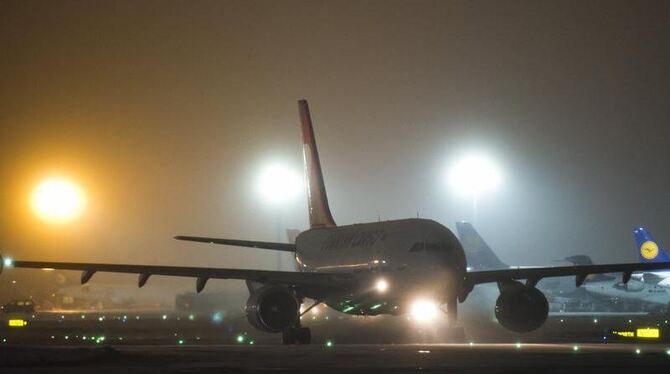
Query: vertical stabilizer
{"x": 479, "y": 255}
{"x": 317, "y": 201}
{"x": 648, "y": 249}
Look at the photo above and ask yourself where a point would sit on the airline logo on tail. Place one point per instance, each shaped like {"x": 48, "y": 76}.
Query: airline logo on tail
{"x": 649, "y": 250}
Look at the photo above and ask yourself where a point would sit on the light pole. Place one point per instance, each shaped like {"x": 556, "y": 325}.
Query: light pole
{"x": 279, "y": 185}
{"x": 473, "y": 175}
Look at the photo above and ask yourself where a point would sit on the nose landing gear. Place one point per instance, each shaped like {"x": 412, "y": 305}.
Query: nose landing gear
{"x": 453, "y": 333}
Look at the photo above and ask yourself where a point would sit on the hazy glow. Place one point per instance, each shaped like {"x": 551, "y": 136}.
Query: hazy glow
{"x": 279, "y": 183}
{"x": 381, "y": 285}
{"x": 474, "y": 174}
{"x": 424, "y": 311}
{"x": 58, "y": 200}
{"x": 7, "y": 262}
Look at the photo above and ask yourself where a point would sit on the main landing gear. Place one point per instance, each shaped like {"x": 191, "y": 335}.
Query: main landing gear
{"x": 296, "y": 335}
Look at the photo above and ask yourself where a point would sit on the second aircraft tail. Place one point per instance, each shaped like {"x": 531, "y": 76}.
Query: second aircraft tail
{"x": 479, "y": 255}
{"x": 648, "y": 249}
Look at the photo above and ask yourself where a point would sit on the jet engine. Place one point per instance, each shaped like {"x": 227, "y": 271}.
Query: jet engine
{"x": 272, "y": 308}
{"x": 521, "y": 308}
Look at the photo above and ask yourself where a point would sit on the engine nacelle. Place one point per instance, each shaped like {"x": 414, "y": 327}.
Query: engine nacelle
{"x": 272, "y": 308}
{"x": 521, "y": 308}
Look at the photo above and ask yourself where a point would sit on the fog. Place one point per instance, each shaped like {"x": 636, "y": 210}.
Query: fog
{"x": 164, "y": 111}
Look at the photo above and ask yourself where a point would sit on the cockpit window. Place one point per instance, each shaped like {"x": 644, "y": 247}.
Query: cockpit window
{"x": 417, "y": 247}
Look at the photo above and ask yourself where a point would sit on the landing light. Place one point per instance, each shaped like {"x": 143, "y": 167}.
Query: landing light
{"x": 423, "y": 311}
{"x": 382, "y": 285}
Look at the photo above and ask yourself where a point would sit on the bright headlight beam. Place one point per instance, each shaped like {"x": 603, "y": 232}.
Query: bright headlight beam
{"x": 382, "y": 285}
{"x": 423, "y": 311}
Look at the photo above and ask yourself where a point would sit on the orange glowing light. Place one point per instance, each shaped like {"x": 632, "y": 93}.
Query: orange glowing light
{"x": 58, "y": 200}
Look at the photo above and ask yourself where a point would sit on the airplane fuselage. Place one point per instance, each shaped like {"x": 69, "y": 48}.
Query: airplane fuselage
{"x": 416, "y": 258}
{"x": 634, "y": 290}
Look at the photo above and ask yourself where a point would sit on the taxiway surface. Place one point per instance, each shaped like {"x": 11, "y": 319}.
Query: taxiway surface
{"x": 460, "y": 358}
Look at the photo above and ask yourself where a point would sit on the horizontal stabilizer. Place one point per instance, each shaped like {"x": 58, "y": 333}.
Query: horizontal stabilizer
{"x": 240, "y": 243}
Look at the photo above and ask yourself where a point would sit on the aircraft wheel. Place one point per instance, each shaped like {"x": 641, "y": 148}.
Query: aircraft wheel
{"x": 304, "y": 335}
{"x": 297, "y": 335}
{"x": 288, "y": 336}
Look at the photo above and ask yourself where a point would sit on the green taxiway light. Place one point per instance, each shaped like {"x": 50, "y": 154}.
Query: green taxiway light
{"x": 638, "y": 351}
{"x": 575, "y": 348}
{"x": 667, "y": 352}
{"x": 180, "y": 341}
{"x": 240, "y": 338}
{"x": 329, "y": 343}
{"x": 518, "y": 345}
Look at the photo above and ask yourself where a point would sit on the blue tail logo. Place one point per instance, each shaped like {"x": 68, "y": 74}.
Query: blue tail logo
{"x": 648, "y": 248}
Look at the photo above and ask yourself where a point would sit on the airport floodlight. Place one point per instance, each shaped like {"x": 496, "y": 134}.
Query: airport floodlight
{"x": 474, "y": 174}
{"x": 279, "y": 183}
{"x": 58, "y": 200}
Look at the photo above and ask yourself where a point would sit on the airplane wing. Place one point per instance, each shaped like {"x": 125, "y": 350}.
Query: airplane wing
{"x": 309, "y": 283}
{"x": 533, "y": 275}
{"x": 240, "y": 243}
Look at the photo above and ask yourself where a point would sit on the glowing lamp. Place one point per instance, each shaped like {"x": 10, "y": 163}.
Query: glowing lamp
{"x": 57, "y": 200}
{"x": 278, "y": 183}
{"x": 424, "y": 311}
{"x": 382, "y": 285}
{"x": 474, "y": 174}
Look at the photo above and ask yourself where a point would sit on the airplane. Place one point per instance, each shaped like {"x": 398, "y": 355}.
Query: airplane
{"x": 391, "y": 267}
{"x": 560, "y": 292}
{"x": 649, "y": 251}
{"x": 481, "y": 257}
{"x": 648, "y": 287}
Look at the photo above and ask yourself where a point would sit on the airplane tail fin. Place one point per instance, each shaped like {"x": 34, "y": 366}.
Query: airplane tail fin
{"x": 648, "y": 249}
{"x": 479, "y": 255}
{"x": 319, "y": 212}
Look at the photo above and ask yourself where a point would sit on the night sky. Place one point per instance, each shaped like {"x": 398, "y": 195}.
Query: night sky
{"x": 164, "y": 111}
